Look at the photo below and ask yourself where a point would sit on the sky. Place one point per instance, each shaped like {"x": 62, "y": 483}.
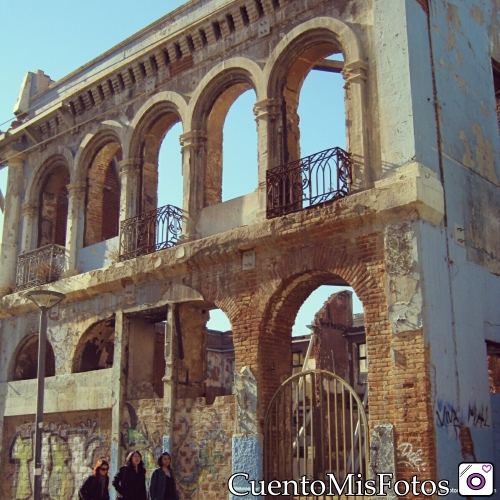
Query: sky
{"x": 58, "y": 37}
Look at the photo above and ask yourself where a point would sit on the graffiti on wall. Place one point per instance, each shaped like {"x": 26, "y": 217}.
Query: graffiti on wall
{"x": 137, "y": 435}
{"x": 410, "y": 456}
{"x": 67, "y": 458}
{"x": 202, "y": 450}
{"x": 450, "y": 417}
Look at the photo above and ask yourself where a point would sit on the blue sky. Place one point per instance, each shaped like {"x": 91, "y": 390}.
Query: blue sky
{"x": 59, "y": 36}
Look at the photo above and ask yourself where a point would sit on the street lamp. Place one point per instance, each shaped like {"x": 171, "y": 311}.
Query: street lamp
{"x": 44, "y": 300}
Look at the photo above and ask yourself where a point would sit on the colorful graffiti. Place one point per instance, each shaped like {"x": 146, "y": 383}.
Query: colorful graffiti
{"x": 137, "y": 436}
{"x": 202, "y": 452}
{"x": 67, "y": 458}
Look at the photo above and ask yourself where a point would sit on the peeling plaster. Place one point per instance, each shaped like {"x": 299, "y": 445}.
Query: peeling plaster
{"x": 485, "y": 156}
{"x": 467, "y": 159}
{"x": 477, "y": 15}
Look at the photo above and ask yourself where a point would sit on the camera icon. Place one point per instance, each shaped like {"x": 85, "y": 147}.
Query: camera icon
{"x": 475, "y": 479}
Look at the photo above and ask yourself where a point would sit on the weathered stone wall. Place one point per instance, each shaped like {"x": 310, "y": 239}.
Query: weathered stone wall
{"x": 202, "y": 447}
{"x": 71, "y": 444}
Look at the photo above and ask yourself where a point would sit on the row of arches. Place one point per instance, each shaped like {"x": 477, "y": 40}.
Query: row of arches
{"x": 115, "y": 172}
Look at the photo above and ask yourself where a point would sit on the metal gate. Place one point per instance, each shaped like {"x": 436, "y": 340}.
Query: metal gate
{"x": 315, "y": 424}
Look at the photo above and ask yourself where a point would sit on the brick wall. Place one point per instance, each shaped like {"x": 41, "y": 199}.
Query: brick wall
{"x": 71, "y": 444}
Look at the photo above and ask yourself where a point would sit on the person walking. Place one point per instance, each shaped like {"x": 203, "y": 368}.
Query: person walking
{"x": 96, "y": 486}
{"x": 130, "y": 480}
{"x": 162, "y": 483}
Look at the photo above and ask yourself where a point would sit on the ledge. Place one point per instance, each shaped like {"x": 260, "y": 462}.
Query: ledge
{"x": 407, "y": 193}
{"x": 72, "y": 392}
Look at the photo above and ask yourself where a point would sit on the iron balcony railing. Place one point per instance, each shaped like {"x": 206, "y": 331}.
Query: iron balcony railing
{"x": 150, "y": 231}
{"x": 41, "y": 266}
{"x": 308, "y": 182}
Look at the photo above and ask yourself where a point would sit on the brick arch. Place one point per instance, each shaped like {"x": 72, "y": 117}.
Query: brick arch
{"x": 294, "y": 279}
{"x": 24, "y": 363}
{"x": 288, "y": 65}
{"x": 210, "y": 105}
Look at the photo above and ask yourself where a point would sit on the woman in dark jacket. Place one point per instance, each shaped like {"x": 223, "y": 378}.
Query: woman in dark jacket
{"x": 96, "y": 486}
{"x": 162, "y": 483}
{"x": 130, "y": 480}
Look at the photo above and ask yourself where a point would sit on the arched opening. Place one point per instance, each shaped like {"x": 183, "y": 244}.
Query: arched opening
{"x": 158, "y": 170}
{"x": 212, "y": 117}
{"x": 310, "y": 139}
{"x": 320, "y": 416}
{"x": 26, "y": 360}
{"x": 170, "y": 181}
{"x": 239, "y": 148}
{"x": 103, "y": 195}
{"x": 95, "y": 350}
{"x": 53, "y": 207}
{"x": 322, "y": 107}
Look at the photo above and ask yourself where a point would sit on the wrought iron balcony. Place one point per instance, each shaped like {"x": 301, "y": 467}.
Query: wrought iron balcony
{"x": 311, "y": 181}
{"x": 39, "y": 267}
{"x": 150, "y": 231}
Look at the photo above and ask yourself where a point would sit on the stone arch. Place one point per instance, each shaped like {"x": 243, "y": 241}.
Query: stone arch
{"x": 162, "y": 102}
{"x": 97, "y": 164}
{"x": 24, "y": 364}
{"x": 60, "y": 154}
{"x": 48, "y": 194}
{"x": 286, "y": 69}
{"x": 95, "y": 349}
{"x": 209, "y": 106}
{"x": 293, "y": 281}
{"x": 150, "y": 126}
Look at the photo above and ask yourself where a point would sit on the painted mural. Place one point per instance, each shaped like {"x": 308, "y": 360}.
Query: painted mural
{"x": 202, "y": 447}
{"x": 69, "y": 451}
{"x": 142, "y": 429}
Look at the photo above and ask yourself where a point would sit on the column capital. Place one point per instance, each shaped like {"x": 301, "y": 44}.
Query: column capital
{"x": 129, "y": 165}
{"x": 192, "y": 138}
{"x": 268, "y": 108}
{"x": 29, "y": 209}
{"x": 76, "y": 188}
{"x": 355, "y": 70}
{"x": 14, "y": 158}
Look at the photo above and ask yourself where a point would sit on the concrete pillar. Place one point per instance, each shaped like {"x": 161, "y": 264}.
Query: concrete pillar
{"x": 129, "y": 187}
{"x": 266, "y": 114}
{"x": 119, "y": 381}
{"x": 12, "y": 218}
{"x": 75, "y": 223}
{"x": 170, "y": 378}
{"x": 193, "y": 150}
{"x": 29, "y": 214}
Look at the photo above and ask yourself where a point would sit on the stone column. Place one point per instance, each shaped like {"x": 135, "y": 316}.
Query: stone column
{"x": 267, "y": 113}
{"x": 119, "y": 381}
{"x": 29, "y": 214}
{"x": 75, "y": 223}
{"x": 170, "y": 378}
{"x": 193, "y": 167}
{"x": 12, "y": 219}
{"x": 129, "y": 187}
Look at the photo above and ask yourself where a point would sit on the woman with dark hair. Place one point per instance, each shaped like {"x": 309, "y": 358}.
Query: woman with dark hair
{"x": 130, "y": 480}
{"x": 162, "y": 484}
{"x": 96, "y": 486}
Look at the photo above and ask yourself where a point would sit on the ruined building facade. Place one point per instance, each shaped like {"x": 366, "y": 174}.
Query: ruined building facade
{"x": 408, "y": 218}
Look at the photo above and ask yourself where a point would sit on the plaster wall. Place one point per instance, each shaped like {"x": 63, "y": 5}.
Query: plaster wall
{"x": 63, "y": 393}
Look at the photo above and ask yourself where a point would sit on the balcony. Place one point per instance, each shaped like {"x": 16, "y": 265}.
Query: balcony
{"x": 311, "y": 181}
{"x": 39, "y": 267}
{"x": 150, "y": 231}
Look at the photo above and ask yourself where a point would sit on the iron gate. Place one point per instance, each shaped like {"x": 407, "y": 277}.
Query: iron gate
{"x": 315, "y": 424}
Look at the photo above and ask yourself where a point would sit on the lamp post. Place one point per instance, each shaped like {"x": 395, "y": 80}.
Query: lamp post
{"x": 44, "y": 300}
